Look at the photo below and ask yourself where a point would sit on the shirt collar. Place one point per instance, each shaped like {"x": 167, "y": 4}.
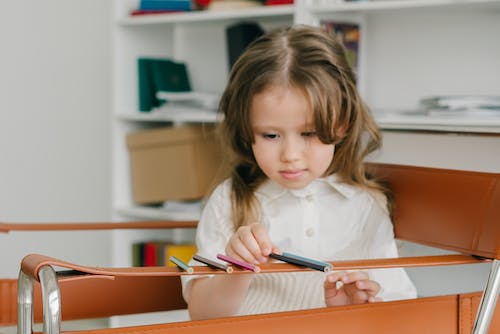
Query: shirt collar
{"x": 272, "y": 190}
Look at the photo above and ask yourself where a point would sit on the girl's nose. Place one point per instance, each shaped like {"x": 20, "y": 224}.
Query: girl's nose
{"x": 291, "y": 149}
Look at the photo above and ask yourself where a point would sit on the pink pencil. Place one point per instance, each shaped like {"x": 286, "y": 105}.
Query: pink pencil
{"x": 239, "y": 263}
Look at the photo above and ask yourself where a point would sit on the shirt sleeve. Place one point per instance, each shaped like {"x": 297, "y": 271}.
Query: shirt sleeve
{"x": 395, "y": 283}
{"x": 213, "y": 231}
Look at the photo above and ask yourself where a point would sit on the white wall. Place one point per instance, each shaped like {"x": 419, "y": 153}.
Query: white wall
{"x": 55, "y": 126}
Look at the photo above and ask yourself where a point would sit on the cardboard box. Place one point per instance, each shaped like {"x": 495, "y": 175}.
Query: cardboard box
{"x": 174, "y": 163}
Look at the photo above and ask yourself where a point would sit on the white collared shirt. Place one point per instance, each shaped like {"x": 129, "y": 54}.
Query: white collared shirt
{"x": 327, "y": 220}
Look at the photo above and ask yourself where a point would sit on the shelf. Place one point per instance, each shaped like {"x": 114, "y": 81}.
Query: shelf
{"x": 320, "y": 7}
{"x": 176, "y": 117}
{"x": 487, "y": 125}
{"x": 142, "y": 212}
{"x": 207, "y": 16}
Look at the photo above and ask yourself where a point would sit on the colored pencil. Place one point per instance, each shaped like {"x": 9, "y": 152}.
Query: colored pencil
{"x": 182, "y": 265}
{"x": 213, "y": 264}
{"x": 302, "y": 261}
{"x": 241, "y": 264}
{"x": 298, "y": 257}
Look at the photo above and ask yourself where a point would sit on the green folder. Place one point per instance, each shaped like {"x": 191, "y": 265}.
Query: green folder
{"x": 155, "y": 75}
{"x": 170, "y": 76}
{"x": 147, "y": 97}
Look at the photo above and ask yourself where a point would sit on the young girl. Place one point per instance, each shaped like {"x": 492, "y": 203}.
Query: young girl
{"x": 297, "y": 133}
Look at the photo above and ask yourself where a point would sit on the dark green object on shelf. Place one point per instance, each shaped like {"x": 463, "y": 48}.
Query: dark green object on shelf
{"x": 156, "y": 75}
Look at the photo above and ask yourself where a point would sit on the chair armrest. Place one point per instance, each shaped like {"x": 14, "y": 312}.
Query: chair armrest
{"x": 32, "y": 264}
{"x": 153, "y": 224}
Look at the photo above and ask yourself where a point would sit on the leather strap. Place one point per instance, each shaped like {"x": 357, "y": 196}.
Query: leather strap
{"x": 415, "y": 316}
{"x": 153, "y": 224}
{"x": 8, "y": 297}
{"x": 31, "y": 264}
{"x": 468, "y": 305}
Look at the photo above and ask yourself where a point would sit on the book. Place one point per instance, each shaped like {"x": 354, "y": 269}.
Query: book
{"x": 137, "y": 254}
{"x": 157, "y": 253}
{"x": 146, "y": 85}
{"x": 348, "y": 34}
{"x": 184, "y": 252}
{"x": 159, "y": 74}
{"x": 170, "y": 76}
{"x": 139, "y": 12}
{"x": 181, "y": 5}
{"x": 238, "y": 36}
{"x": 153, "y": 253}
{"x": 278, "y": 2}
{"x": 149, "y": 254}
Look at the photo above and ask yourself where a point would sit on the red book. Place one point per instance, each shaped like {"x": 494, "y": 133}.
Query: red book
{"x": 149, "y": 254}
{"x": 137, "y": 12}
{"x": 278, "y": 2}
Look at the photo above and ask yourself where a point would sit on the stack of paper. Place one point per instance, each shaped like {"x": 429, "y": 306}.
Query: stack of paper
{"x": 192, "y": 99}
{"x": 462, "y": 106}
{"x": 189, "y": 106}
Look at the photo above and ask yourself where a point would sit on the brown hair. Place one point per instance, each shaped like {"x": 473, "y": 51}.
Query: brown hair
{"x": 312, "y": 60}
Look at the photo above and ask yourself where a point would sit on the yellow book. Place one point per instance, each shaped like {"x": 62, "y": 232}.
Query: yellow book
{"x": 184, "y": 252}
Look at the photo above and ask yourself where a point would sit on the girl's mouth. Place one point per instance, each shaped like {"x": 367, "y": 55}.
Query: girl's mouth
{"x": 292, "y": 174}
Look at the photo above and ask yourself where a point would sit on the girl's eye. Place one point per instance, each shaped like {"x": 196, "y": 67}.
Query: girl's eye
{"x": 270, "y": 135}
{"x": 309, "y": 133}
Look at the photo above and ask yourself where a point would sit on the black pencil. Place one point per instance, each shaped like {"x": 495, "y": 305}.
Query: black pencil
{"x": 302, "y": 261}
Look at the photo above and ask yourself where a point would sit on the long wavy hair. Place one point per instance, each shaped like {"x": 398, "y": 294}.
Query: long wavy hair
{"x": 312, "y": 60}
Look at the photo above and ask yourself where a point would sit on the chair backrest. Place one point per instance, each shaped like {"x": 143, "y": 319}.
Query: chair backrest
{"x": 451, "y": 209}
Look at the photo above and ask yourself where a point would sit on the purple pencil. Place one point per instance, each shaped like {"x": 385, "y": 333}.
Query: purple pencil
{"x": 241, "y": 264}
{"x": 213, "y": 264}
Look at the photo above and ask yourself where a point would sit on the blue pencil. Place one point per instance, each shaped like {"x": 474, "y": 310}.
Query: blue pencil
{"x": 179, "y": 263}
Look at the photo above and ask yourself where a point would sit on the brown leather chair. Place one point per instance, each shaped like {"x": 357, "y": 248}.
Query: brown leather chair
{"x": 450, "y": 209}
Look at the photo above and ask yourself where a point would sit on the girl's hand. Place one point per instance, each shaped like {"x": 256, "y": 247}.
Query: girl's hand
{"x": 251, "y": 243}
{"x": 355, "y": 288}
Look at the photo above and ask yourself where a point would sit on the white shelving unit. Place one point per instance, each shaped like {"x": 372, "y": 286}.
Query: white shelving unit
{"x": 195, "y": 38}
{"x": 409, "y": 49}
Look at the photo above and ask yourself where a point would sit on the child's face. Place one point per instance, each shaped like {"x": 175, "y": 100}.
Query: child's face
{"x": 286, "y": 146}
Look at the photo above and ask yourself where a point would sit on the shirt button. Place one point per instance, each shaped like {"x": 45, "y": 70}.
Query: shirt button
{"x": 309, "y": 198}
{"x": 310, "y": 232}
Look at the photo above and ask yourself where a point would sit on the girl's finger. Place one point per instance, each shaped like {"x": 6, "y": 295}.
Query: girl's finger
{"x": 373, "y": 299}
{"x": 260, "y": 234}
{"x": 251, "y": 243}
{"x": 359, "y": 297}
{"x": 335, "y": 276}
{"x": 237, "y": 249}
{"x": 371, "y": 287}
{"x": 354, "y": 276}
